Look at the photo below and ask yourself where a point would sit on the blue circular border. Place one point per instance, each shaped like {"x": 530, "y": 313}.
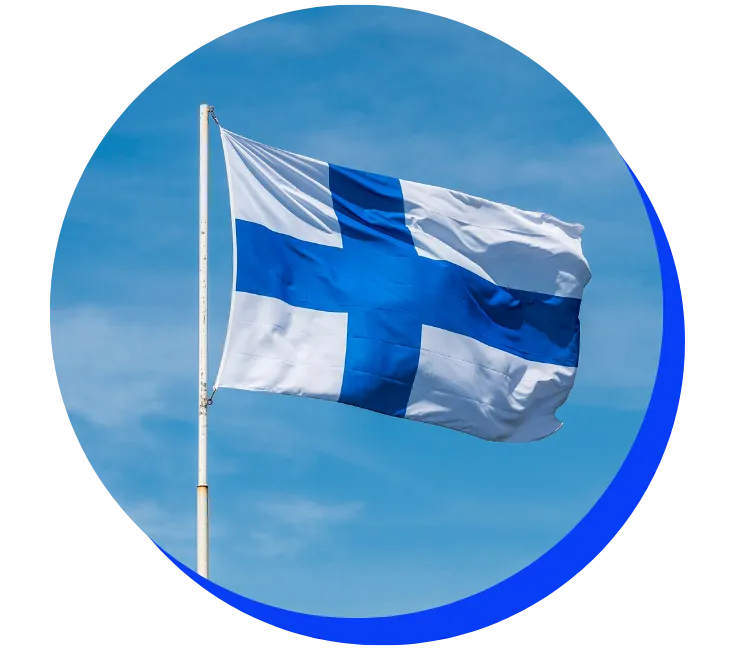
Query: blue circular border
{"x": 560, "y": 563}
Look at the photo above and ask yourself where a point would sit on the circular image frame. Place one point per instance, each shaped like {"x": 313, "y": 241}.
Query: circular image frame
{"x": 559, "y": 564}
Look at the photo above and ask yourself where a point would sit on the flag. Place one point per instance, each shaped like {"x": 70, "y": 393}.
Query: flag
{"x": 406, "y": 299}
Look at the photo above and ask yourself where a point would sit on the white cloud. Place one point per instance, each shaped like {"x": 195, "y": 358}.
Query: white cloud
{"x": 287, "y": 524}
{"x": 305, "y": 513}
{"x": 508, "y": 534}
{"x": 173, "y": 531}
{"x": 482, "y": 164}
{"x": 161, "y": 524}
{"x": 171, "y": 528}
{"x": 269, "y": 433}
{"x": 267, "y": 544}
{"x": 114, "y": 369}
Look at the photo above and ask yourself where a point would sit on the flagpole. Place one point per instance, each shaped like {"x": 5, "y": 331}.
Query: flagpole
{"x": 202, "y": 492}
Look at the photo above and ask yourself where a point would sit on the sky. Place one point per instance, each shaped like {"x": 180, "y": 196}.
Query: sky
{"x": 317, "y": 506}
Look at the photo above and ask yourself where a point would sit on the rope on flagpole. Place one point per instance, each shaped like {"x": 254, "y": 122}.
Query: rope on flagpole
{"x": 213, "y": 115}
{"x": 209, "y": 400}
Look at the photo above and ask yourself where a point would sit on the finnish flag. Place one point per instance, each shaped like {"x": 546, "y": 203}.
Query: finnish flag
{"x": 406, "y": 299}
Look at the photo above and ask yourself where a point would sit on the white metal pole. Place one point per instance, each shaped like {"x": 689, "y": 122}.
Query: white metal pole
{"x": 202, "y": 518}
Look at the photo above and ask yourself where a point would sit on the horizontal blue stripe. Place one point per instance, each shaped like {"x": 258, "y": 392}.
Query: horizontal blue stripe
{"x": 389, "y": 292}
{"x": 533, "y": 326}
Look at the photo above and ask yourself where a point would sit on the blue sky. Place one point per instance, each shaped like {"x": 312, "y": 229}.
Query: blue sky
{"x": 317, "y": 506}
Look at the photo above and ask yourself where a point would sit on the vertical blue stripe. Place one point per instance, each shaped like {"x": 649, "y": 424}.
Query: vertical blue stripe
{"x": 383, "y": 343}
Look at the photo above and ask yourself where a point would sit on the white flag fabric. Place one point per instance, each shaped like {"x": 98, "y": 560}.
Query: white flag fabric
{"x": 410, "y": 300}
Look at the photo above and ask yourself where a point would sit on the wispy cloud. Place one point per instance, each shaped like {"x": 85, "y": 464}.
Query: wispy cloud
{"x": 270, "y": 433}
{"x": 476, "y": 164}
{"x": 287, "y": 524}
{"x": 172, "y": 528}
{"x": 160, "y": 523}
{"x": 503, "y": 536}
{"x": 306, "y": 514}
{"x": 115, "y": 369}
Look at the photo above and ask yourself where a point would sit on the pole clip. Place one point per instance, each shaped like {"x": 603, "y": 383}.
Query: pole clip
{"x": 212, "y": 113}
{"x": 206, "y": 402}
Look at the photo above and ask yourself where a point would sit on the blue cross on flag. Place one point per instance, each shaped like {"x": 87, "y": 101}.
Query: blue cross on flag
{"x": 410, "y": 300}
